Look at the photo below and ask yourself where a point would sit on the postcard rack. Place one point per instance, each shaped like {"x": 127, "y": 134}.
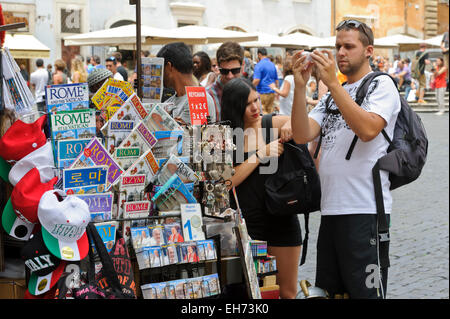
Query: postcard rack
{"x": 179, "y": 270}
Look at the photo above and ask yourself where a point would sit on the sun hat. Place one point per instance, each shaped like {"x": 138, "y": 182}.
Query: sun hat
{"x": 64, "y": 222}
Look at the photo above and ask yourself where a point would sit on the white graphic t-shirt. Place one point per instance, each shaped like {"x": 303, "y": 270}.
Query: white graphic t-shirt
{"x": 347, "y": 185}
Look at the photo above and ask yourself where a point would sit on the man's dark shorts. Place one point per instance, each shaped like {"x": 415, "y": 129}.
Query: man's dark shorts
{"x": 347, "y": 259}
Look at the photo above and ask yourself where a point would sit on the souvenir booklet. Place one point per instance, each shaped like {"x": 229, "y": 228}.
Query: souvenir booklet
{"x": 175, "y": 165}
{"x": 207, "y": 249}
{"x": 172, "y": 195}
{"x": 145, "y": 165}
{"x": 195, "y": 288}
{"x": 131, "y": 188}
{"x": 85, "y": 180}
{"x": 154, "y": 253}
{"x": 131, "y": 110}
{"x": 173, "y": 233}
{"x": 134, "y": 210}
{"x": 152, "y": 79}
{"x": 169, "y": 142}
{"x": 213, "y": 284}
{"x": 156, "y": 235}
{"x": 169, "y": 254}
{"x": 140, "y": 237}
{"x": 115, "y": 132}
{"x": 100, "y": 205}
{"x": 140, "y": 137}
{"x": 143, "y": 258}
{"x": 112, "y": 88}
{"x": 159, "y": 120}
{"x": 187, "y": 252}
{"x": 107, "y": 231}
{"x": 179, "y": 288}
{"x": 68, "y": 151}
{"x": 127, "y": 156}
{"x": 75, "y": 124}
{"x": 95, "y": 154}
{"x": 67, "y": 97}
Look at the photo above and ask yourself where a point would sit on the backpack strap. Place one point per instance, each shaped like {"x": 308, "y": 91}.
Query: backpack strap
{"x": 266, "y": 123}
{"x": 327, "y": 110}
{"x": 360, "y": 96}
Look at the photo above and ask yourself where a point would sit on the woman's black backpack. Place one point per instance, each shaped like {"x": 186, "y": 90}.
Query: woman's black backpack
{"x": 295, "y": 187}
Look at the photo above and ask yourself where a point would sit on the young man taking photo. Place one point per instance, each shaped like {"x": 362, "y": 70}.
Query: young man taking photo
{"x": 347, "y": 247}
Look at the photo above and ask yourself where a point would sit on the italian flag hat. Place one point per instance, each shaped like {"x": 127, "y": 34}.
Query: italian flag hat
{"x": 41, "y": 284}
{"x": 22, "y": 138}
{"x": 64, "y": 222}
{"x": 20, "y": 213}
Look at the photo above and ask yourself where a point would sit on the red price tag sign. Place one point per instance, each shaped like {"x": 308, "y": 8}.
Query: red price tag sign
{"x": 198, "y": 105}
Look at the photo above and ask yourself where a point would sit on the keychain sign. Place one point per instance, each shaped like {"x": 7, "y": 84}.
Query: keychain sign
{"x": 198, "y": 105}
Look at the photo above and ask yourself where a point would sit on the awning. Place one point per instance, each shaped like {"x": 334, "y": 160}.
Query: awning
{"x": 26, "y": 46}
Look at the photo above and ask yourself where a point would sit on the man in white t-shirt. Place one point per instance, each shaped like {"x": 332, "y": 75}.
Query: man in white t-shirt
{"x": 111, "y": 64}
{"x": 38, "y": 81}
{"x": 347, "y": 247}
{"x": 178, "y": 73}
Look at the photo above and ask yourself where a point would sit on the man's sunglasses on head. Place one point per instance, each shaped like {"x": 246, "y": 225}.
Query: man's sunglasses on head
{"x": 234, "y": 71}
{"x": 353, "y": 24}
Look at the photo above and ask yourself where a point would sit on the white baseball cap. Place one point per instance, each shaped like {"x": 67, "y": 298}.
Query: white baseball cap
{"x": 42, "y": 159}
{"x": 64, "y": 223}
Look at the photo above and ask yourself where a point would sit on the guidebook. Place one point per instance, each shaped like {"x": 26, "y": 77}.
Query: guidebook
{"x": 140, "y": 137}
{"x": 100, "y": 205}
{"x": 112, "y": 88}
{"x": 127, "y": 156}
{"x": 169, "y": 142}
{"x": 68, "y": 151}
{"x": 115, "y": 132}
{"x": 172, "y": 195}
{"x": 67, "y": 97}
{"x": 131, "y": 188}
{"x": 131, "y": 110}
{"x": 85, "y": 180}
{"x": 159, "y": 120}
{"x": 135, "y": 210}
{"x": 66, "y": 125}
{"x": 95, "y": 154}
{"x": 145, "y": 165}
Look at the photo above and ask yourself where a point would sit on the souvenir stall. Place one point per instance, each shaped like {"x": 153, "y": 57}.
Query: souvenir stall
{"x": 139, "y": 208}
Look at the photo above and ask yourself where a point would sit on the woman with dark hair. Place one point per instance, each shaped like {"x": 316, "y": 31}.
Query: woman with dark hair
{"x": 242, "y": 109}
{"x": 202, "y": 68}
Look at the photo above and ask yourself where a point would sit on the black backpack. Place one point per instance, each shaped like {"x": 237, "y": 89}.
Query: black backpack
{"x": 405, "y": 158}
{"x": 295, "y": 187}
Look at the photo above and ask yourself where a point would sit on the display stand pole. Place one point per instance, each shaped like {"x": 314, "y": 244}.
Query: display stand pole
{"x": 138, "y": 46}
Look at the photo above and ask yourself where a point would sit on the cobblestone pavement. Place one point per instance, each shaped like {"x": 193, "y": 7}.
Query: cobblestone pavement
{"x": 419, "y": 249}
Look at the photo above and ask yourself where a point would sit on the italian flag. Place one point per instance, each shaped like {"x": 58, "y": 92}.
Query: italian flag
{"x": 41, "y": 284}
{"x": 66, "y": 250}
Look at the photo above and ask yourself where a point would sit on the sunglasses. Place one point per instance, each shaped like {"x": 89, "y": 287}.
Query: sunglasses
{"x": 355, "y": 24}
{"x": 234, "y": 71}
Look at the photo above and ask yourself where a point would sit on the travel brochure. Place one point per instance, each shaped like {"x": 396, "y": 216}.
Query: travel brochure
{"x": 68, "y": 151}
{"x": 145, "y": 165}
{"x": 140, "y": 137}
{"x": 115, "y": 132}
{"x": 131, "y": 188}
{"x": 86, "y": 180}
{"x": 100, "y": 205}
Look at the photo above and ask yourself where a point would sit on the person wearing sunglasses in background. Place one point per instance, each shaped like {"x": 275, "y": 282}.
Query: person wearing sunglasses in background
{"x": 111, "y": 65}
{"x": 348, "y": 248}
{"x": 230, "y": 59}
